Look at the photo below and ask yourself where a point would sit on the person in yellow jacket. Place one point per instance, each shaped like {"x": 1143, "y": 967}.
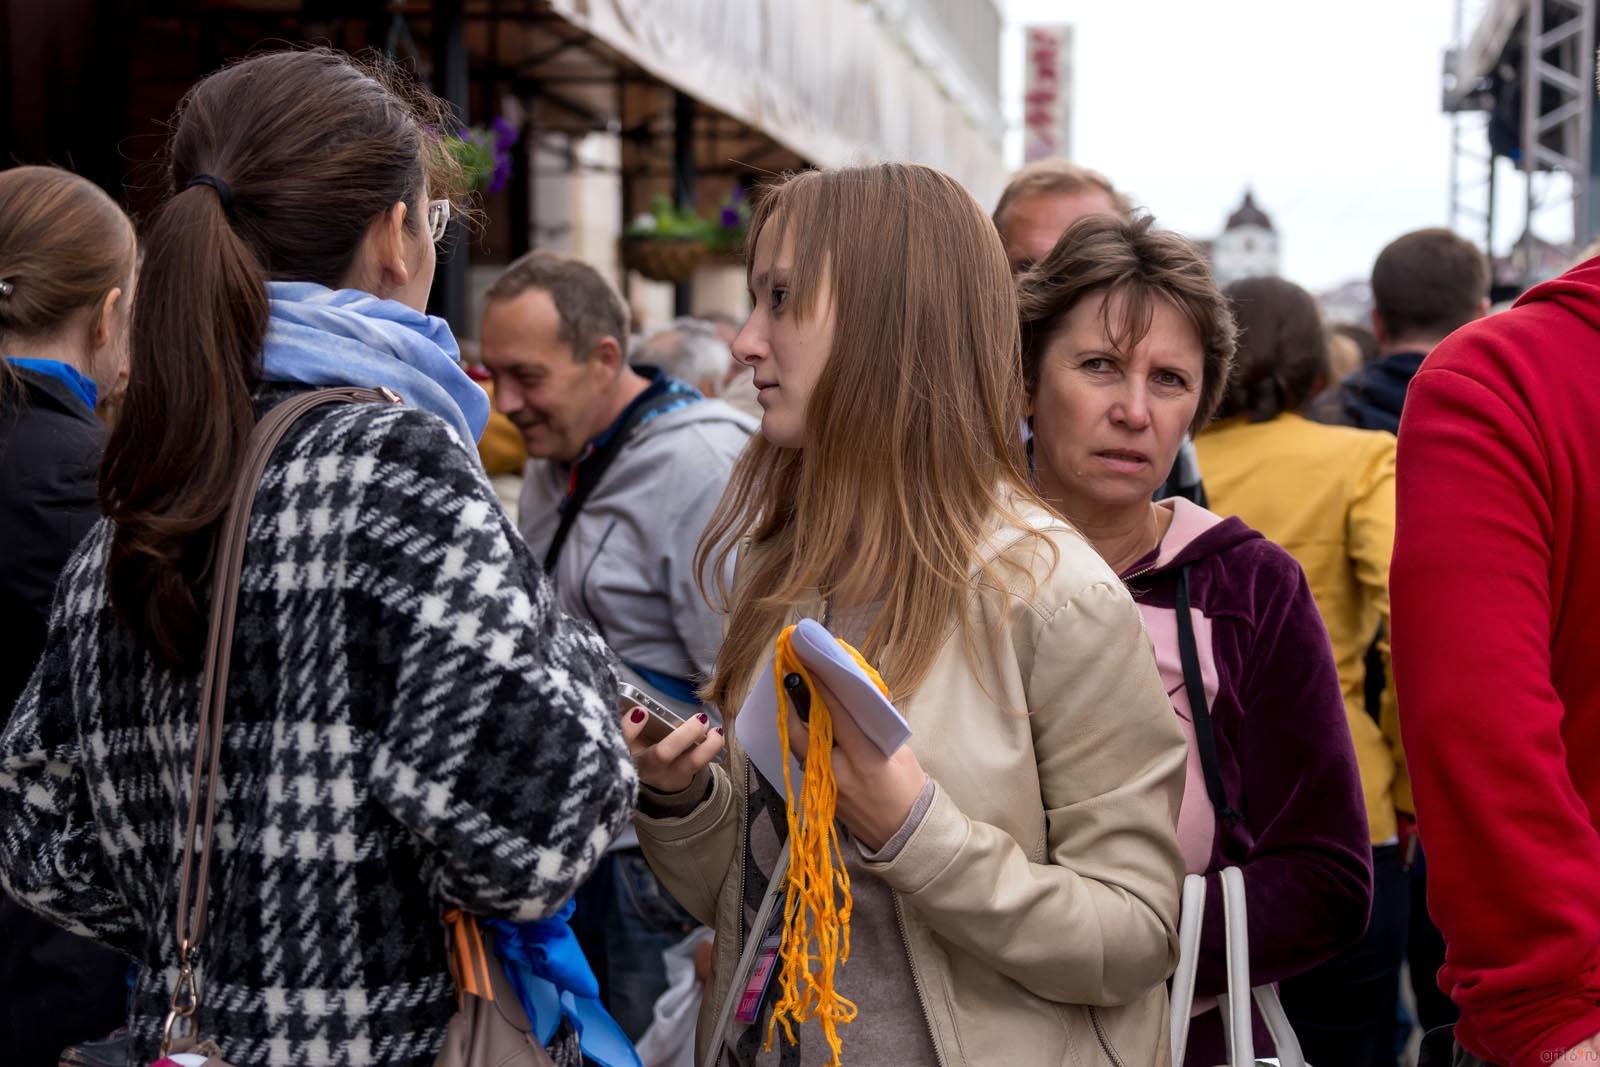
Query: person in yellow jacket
{"x": 501, "y": 447}
{"x": 1326, "y": 494}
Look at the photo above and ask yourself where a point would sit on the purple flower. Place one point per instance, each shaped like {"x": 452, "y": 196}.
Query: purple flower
{"x": 729, "y": 218}
{"x": 500, "y": 137}
{"x": 505, "y": 134}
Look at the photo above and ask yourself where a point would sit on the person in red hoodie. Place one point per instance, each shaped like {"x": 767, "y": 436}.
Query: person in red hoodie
{"x": 1493, "y": 589}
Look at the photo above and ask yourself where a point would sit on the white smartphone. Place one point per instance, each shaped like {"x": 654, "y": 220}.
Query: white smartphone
{"x": 662, "y": 720}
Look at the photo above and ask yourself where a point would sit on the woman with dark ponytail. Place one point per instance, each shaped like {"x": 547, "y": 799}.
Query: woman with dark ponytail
{"x": 412, "y": 725}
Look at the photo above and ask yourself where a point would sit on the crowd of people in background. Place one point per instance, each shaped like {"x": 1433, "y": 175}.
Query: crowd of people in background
{"x": 1168, "y": 579}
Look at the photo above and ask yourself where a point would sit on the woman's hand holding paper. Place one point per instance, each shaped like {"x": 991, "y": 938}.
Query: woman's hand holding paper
{"x": 876, "y": 792}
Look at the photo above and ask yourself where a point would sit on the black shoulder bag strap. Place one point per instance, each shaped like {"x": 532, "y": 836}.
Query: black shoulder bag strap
{"x": 1204, "y": 739}
{"x": 591, "y": 469}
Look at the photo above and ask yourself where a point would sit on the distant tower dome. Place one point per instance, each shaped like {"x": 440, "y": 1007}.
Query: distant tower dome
{"x": 1247, "y": 247}
{"x": 1249, "y": 214}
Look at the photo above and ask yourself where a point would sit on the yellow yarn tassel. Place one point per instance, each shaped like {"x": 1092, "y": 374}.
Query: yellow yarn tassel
{"x": 819, "y": 903}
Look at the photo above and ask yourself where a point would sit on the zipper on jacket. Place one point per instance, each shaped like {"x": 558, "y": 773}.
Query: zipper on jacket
{"x": 1101, "y": 1036}
{"x": 916, "y": 980}
{"x": 744, "y": 846}
{"x": 1140, "y": 573}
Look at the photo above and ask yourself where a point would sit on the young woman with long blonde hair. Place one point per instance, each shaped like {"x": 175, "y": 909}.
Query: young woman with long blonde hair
{"x": 1014, "y": 868}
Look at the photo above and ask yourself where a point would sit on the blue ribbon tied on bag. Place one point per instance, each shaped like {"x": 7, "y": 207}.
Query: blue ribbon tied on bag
{"x": 554, "y": 981}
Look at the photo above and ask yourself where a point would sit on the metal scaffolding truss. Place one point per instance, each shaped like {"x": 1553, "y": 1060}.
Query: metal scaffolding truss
{"x": 1539, "y": 57}
{"x": 1558, "y": 85}
{"x": 1471, "y": 177}
{"x": 1558, "y": 105}
{"x": 1467, "y": 90}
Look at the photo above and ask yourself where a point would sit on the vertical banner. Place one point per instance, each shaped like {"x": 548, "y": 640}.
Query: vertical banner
{"x": 1046, "y": 91}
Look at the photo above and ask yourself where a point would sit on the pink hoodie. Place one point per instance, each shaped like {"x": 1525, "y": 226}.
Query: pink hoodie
{"x": 1283, "y": 746}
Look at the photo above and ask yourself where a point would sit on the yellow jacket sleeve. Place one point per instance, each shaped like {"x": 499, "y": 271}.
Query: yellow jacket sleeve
{"x": 500, "y": 448}
{"x": 1371, "y": 540}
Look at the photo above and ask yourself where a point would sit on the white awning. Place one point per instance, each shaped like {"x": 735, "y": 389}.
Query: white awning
{"x": 834, "y": 81}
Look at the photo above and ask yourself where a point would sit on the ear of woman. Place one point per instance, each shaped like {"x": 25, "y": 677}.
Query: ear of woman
{"x": 380, "y": 265}
{"x": 107, "y": 358}
{"x": 395, "y": 258}
{"x": 392, "y": 257}
{"x": 105, "y": 323}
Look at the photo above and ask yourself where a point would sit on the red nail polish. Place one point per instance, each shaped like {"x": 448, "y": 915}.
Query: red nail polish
{"x": 719, "y": 731}
{"x": 638, "y": 715}
{"x": 701, "y": 718}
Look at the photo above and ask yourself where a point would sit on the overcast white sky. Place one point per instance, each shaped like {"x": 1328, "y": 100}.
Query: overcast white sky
{"x": 1329, "y": 111}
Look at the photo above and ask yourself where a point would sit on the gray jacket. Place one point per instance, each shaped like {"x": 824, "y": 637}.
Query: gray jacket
{"x": 628, "y": 563}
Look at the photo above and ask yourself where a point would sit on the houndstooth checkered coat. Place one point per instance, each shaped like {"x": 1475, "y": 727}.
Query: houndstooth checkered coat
{"x": 412, "y": 723}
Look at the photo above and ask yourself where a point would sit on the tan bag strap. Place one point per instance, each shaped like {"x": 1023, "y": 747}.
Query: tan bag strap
{"x": 226, "y": 562}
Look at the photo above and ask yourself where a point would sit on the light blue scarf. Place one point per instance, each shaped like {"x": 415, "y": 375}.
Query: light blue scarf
{"x": 322, "y": 336}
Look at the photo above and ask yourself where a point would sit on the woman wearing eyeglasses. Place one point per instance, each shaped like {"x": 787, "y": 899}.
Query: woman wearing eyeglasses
{"x": 411, "y": 723}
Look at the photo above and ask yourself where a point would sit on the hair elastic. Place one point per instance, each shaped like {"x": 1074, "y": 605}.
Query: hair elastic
{"x": 224, "y": 193}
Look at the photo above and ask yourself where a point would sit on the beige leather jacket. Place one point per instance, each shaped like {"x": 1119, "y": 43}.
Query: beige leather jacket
{"x": 1039, "y": 895}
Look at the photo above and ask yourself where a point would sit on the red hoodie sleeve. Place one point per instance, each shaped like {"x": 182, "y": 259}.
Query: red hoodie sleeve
{"x": 1514, "y": 862}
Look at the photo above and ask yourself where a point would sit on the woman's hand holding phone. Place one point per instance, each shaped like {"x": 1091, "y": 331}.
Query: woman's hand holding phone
{"x": 670, "y": 765}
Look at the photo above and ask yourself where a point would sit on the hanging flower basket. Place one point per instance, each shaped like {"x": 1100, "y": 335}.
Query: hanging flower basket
{"x": 667, "y": 243}
{"x": 663, "y": 259}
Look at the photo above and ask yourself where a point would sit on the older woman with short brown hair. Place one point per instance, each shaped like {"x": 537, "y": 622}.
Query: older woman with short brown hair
{"x": 1126, "y": 345}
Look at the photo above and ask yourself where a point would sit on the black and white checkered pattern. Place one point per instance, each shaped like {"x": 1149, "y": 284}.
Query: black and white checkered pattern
{"x": 412, "y": 723}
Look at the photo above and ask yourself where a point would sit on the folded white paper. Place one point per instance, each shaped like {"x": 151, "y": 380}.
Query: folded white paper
{"x": 756, "y": 726}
